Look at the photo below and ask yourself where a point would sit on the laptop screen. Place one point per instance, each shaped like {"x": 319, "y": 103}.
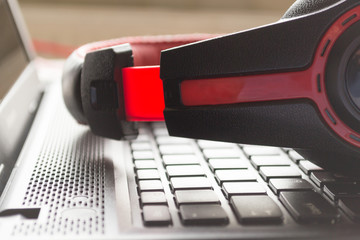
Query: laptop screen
{"x": 20, "y": 88}
{"x": 13, "y": 58}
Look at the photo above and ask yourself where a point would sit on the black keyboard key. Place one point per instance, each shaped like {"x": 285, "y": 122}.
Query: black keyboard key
{"x": 143, "y": 155}
{"x": 256, "y": 210}
{"x": 351, "y": 206}
{"x": 186, "y": 159}
{"x": 203, "y": 215}
{"x": 242, "y": 188}
{"x": 148, "y": 174}
{"x": 308, "y": 167}
{"x": 196, "y": 197}
{"x": 145, "y": 164}
{"x": 189, "y": 183}
{"x": 309, "y": 207}
{"x": 203, "y": 144}
{"x": 260, "y": 150}
{"x": 185, "y": 171}
{"x": 279, "y": 172}
{"x": 156, "y": 125}
{"x": 156, "y": 216}
{"x": 268, "y": 161}
{"x": 163, "y": 140}
{"x": 176, "y": 149}
{"x": 295, "y": 157}
{"x": 338, "y": 190}
{"x": 161, "y": 132}
{"x": 322, "y": 178}
{"x": 221, "y": 153}
{"x": 227, "y": 163}
{"x": 150, "y": 185}
{"x": 153, "y": 198}
{"x": 290, "y": 184}
{"x": 234, "y": 176}
{"x": 140, "y": 146}
{"x": 141, "y": 138}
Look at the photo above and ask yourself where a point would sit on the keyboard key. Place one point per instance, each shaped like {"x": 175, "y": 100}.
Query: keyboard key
{"x": 147, "y": 174}
{"x": 308, "y": 167}
{"x": 287, "y": 150}
{"x": 142, "y": 155}
{"x": 221, "y": 153}
{"x": 295, "y": 157}
{"x": 227, "y": 163}
{"x": 279, "y": 172}
{"x": 176, "y": 149}
{"x": 189, "y": 183}
{"x": 309, "y": 207}
{"x": 234, "y": 176}
{"x": 161, "y": 132}
{"x": 263, "y": 161}
{"x": 185, "y": 171}
{"x": 256, "y": 210}
{"x": 291, "y": 184}
{"x": 180, "y": 160}
{"x": 145, "y": 164}
{"x": 150, "y": 185}
{"x": 156, "y": 216}
{"x": 140, "y": 146}
{"x": 196, "y": 197}
{"x": 153, "y": 198}
{"x": 141, "y": 138}
{"x": 203, "y": 144}
{"x": 203, "y": 215}
{"x": 338, "y": 190}
{"x": 242, "y": 188}
{"x": 321, "y": 178}
{"x": 155, "y": 125}
{"x": 164, "y": 140}
{"x": 260, "y": 150}
{"x": 351, "y": 206}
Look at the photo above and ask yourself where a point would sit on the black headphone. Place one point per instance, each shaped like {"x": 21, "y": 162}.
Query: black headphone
{"x": 294, "y": 83}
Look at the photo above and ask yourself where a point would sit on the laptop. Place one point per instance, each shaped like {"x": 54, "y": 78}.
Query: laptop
{"x": 59, "y": 181}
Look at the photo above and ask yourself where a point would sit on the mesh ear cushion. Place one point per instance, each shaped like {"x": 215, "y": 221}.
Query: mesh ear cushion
{"x": 303, "y": 7}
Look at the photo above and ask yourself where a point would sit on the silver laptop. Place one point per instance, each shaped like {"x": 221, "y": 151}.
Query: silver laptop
{"x": 58, "y": 181}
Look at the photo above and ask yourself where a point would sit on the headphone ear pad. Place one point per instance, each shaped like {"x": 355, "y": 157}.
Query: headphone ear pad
{"x": 71, "y": 80}
{"x": 304, "y": 7}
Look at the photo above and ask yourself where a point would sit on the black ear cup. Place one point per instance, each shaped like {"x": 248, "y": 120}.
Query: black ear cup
{"x": 299, "y": 44}
{"x": 102, "y": 94}
{"x": 303, "y": 7}
{"x": 71, "y": 87}
{"x": 343, "y": 77}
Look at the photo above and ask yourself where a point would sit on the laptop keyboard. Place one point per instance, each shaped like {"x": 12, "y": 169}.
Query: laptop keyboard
{"x": 184, "y": 182}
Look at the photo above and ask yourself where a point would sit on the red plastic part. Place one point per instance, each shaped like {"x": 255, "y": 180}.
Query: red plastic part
{"x": 242, "y": 89}
{"x": 143, "y": 94}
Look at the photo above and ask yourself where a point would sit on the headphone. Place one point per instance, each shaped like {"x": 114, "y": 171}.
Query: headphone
{"x": 294, "y": 83}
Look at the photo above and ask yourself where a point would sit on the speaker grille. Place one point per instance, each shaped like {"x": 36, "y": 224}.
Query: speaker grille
{"x": 67, "y": 182}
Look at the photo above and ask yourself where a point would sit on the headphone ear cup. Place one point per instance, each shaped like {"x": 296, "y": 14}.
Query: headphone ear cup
{"x": 304, "y": 7}
{"x": 71, "y": 80}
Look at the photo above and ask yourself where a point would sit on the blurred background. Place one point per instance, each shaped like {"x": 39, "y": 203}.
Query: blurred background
{"x": 57, "y": 26}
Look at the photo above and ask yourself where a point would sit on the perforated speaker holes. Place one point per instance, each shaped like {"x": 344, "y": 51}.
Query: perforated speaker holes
{"x": 67, "y": 182}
